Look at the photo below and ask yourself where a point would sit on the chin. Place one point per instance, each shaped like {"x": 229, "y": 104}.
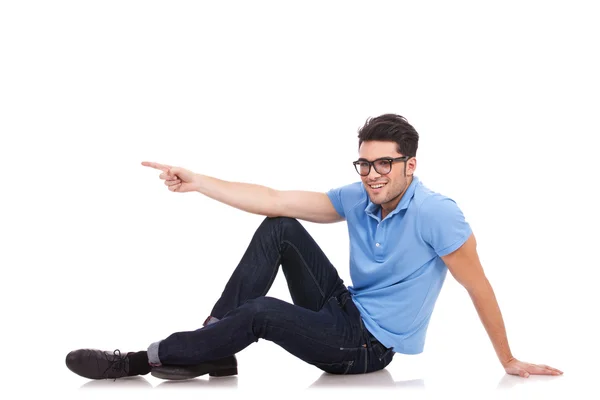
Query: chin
{"x": 378, "y": 201}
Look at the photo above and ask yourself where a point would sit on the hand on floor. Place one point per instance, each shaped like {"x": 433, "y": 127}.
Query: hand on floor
{"x": 523, "y": 369}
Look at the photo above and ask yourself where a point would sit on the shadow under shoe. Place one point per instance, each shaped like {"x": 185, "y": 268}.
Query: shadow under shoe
{"x": 98, "y": 364}
{"x": 226, "y": 366}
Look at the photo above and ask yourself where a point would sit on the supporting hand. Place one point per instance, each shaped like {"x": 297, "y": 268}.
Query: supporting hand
{"x": 523, "y": 369}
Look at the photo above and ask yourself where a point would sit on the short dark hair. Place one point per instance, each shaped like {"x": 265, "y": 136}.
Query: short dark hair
{"x": 391, "y": 128}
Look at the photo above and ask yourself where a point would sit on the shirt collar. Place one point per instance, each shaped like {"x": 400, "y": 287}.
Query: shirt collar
{"x": 373, "y": 209}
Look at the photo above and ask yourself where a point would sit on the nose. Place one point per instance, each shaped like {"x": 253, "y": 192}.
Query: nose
{"x": 373, "y": 175}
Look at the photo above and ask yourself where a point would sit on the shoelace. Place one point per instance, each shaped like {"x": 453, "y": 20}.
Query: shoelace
{"x": 117, "y": 364}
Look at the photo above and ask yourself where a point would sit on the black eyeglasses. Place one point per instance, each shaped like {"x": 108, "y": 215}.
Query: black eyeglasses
{"x": 383, "y": 166}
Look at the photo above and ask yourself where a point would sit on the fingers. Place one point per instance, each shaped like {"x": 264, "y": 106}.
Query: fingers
{"x": 175, "y": 188}
{"x": 543, "y": 371}
{"x": 154, "y": 165}
{"x": 551, "y": 369}
{"x": 546, "y": 370}
{"x": 172, "y": 182}
{"x": 540, "y": 369}
{"x": 525, "y": 369}
{"x": 168, "y": 176}
{"x": 173, "y": 185}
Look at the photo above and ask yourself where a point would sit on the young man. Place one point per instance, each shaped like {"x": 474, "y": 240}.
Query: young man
{"x": 403, "y": 239}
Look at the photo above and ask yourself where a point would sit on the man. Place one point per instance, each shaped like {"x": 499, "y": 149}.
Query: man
{"x": 403, "y": 239}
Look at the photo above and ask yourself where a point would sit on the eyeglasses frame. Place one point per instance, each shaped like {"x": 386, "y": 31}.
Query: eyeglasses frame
{"x": 372, "y": 164}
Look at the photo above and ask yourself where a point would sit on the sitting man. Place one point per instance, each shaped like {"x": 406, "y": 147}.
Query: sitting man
{"x": 403, "y": 237}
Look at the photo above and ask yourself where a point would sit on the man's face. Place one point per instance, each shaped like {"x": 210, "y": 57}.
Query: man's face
{"x": 395, "y": 182}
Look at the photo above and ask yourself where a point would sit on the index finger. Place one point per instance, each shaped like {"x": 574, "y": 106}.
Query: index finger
{"x": 162, "y": 167}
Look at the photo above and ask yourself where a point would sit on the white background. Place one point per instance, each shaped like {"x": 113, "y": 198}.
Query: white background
{"x": 96, "y": 252}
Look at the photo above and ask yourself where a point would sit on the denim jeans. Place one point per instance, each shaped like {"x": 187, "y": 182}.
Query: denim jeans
{"x": 323, "y": 327}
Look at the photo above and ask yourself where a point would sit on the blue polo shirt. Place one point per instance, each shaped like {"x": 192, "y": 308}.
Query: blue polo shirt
{"x": 395, "y": 264}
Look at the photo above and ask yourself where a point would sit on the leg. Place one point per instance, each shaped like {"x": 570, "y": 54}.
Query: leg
{"x": 315, "y": 286}
{"x": 310, "y": 276}
{"x": 332, "y": 339}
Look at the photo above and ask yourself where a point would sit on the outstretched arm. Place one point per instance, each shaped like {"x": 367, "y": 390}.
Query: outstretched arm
{"x": 465, "y": 267}
{"x": 252, "y": 198}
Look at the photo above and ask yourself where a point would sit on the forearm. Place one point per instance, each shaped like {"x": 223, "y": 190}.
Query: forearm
{"x": 248, "y": 197}
{"x": 485, "y": 302}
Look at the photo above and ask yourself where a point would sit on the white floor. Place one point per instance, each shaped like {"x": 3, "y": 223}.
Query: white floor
{"x": 267, "y": 371}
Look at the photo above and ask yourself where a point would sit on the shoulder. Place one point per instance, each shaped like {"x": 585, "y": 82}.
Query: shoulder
{"x": 440, "y": 222}
{"x": 347, "y": 197}
{"x": 432, "y": 205}
{"x": 349, "y": 192}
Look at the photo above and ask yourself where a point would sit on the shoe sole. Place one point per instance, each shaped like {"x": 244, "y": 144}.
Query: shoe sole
{"x": 177, "y": 374}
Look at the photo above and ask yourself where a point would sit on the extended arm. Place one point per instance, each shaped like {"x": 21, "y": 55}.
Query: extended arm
{"x": 465, "y": 267}
{"x": 252, "y": 198}
{"x": 262, "y": 200}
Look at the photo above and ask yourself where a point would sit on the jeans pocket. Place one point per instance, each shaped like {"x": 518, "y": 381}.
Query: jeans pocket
{"x": 344, "y": 362}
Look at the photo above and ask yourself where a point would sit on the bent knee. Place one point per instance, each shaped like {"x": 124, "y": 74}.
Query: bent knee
{"x": 261, "y": 310}
{"x": 283, "y": 222}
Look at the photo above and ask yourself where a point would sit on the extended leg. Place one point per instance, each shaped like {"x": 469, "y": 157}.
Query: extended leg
{"x": 331, "y": 336}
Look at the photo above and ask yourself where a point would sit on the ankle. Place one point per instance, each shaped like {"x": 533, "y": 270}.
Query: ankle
{"x": 138, "y": 363}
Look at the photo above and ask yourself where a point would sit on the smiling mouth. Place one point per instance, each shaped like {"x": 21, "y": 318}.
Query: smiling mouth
{"x": 377, "y": 186}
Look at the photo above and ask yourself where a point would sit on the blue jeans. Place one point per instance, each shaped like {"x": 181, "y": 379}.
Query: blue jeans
{"x": 323, "y": 327}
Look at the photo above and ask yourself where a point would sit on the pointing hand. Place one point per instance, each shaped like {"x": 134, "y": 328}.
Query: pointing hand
{"x": 177, "y": 179}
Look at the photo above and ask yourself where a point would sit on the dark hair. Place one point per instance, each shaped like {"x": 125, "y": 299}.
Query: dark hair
{"x": 391, "y": 128}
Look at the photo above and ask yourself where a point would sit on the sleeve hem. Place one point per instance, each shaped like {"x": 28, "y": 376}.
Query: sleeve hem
{"x": 338, "y": 207}
{"x": 445, "y": 251}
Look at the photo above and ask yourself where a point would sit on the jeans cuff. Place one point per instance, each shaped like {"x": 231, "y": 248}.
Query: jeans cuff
{"x": 153, "y": 354}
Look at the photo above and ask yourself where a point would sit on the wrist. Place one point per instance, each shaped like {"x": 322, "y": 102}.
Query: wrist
{"x": 197, "y": 183}
{"x": 505, "y": 360}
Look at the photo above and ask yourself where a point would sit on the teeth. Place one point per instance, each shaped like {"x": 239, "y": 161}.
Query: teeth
{"x": 377, "y": 186}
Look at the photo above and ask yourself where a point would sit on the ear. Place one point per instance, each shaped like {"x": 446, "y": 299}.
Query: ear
{"x": 411, "y": 166}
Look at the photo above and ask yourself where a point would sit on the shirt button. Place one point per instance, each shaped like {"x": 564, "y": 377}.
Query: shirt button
{"x": 377, "y": 244}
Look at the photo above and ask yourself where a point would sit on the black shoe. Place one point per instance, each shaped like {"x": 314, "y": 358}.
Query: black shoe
{"x": 98, "y": 364}
{"x": 222, "y": 367}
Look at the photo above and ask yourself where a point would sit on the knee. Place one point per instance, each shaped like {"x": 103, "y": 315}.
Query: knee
{"x": 258, "y": 311}
{"x": 281, "y": 223}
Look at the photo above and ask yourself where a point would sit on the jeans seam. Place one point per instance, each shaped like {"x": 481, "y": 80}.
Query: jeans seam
{"x": 350, "y": 364}
{"x": 307, "y": 268}
{"x": 366, "y": 351}
{"x": 310, "y": 338}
